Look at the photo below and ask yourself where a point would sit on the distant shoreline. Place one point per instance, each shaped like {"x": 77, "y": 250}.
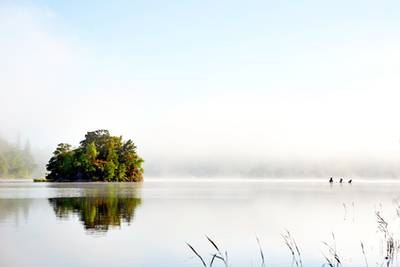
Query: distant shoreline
{"x": 233, "y": 180}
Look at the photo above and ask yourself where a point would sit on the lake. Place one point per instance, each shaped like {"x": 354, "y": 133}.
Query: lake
{"x": 121, "y": 225}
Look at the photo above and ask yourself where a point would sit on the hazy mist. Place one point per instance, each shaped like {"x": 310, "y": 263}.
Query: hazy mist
{"x": 308, "y": 103}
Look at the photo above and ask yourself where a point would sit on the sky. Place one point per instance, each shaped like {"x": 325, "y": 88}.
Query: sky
{"x": 207, "y": 85}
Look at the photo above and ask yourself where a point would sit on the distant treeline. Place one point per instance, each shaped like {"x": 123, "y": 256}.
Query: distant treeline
{"x": 16, "y": 161}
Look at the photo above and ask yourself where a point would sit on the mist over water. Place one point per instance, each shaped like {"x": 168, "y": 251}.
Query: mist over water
{"x": 125, "y": 224}
{"x": 254, "y": 110}
{"x": 271, "y": 127}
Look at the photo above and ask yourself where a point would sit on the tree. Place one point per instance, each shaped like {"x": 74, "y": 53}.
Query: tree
{"x": 100, "y": 157}
{"x": 60, "y": 165}
{"x": 14, "y": 161}
{"x": 3, "y": 166}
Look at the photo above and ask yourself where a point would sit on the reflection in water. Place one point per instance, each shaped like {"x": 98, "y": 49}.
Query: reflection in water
{"x": 166, "y": 214}
{"x": 14, "y": 208}
{"x": 98, "y": 205}
{"x": 97, "y": 213}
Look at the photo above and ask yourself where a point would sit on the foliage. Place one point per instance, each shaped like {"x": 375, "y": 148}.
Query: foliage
{"x": 100, "y": 157}
{"x": 15, "y": 162}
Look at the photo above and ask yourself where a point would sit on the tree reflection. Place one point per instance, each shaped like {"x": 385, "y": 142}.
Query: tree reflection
{"x": 15, "y": 208}
{"x": 97, "y": 213}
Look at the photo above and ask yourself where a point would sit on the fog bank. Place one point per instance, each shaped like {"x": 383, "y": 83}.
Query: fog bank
{"x": 266, "y": 102}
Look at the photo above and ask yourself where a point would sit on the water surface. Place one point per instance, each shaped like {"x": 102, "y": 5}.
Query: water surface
{"x": 125, "y": 224}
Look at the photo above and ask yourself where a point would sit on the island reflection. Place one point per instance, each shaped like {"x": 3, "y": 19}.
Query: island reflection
{"x": 98, "y": 212}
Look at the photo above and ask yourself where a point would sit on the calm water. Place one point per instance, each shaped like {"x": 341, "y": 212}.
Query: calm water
{"x": 147, "y": 225}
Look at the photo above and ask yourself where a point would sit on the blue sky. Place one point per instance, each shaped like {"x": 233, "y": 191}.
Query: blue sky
{"x": 231, "y": 45}
{"x": 253, "y": 79}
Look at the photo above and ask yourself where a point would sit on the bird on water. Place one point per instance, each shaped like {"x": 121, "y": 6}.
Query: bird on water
{"x": 340, "y": 181}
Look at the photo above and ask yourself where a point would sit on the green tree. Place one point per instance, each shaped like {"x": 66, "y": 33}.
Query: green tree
{"x": 100, "y": 157}
{"x": 121, "y": 172}
{"x": 3, "y": 166}
{"x": 109, "y": 171}
{"x": 60, "y": 164}
{"x": 14, "y": 161}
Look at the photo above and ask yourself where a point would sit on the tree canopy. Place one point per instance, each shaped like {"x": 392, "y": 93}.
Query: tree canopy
{"x": 15, "y": 161}
{"x": 99, "y": 157}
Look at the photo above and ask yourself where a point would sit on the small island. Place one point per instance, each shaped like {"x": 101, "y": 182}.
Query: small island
{"x": 99, "y": 157}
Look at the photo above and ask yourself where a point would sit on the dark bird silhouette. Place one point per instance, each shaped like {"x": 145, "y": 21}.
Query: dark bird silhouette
{"x": 341, "y": 180}
{"x": 331, "y": 180}
{"x": 350, "y": 181}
